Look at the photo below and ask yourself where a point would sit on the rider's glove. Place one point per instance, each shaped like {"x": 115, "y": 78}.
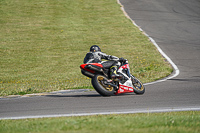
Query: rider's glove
{"x": 122, "y": 60}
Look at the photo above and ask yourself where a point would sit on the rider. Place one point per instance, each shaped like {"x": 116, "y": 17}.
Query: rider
{"x": 95, "y": 55}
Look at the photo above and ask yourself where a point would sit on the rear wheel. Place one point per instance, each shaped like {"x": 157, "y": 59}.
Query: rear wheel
{"x": 138, "y": 86}
{"x": 99, "y": 84}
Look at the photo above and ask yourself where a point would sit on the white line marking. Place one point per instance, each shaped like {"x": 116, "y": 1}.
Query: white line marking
{"x": 106, "y": 113}
{"x": 176, "y": 70}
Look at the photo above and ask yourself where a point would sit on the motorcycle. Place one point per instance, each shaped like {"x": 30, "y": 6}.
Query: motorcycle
{"x": 107, "y": 86}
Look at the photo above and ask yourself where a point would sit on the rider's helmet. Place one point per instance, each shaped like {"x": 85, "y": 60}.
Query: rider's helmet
{"x": 95, "y": 48}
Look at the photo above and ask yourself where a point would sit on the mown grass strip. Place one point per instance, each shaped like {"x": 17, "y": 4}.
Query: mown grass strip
{"x": 176, "y": 122}
{"x": 43, "y": 42}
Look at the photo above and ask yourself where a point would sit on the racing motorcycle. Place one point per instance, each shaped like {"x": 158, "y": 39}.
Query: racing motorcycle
{"x": 107, "y": 86}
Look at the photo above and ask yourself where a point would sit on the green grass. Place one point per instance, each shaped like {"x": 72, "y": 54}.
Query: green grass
{"x": 43, "y": 42}
{"x": 174, "y": 122}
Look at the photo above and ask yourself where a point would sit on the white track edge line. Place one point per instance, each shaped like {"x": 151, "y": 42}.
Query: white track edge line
{"x": 104, "y": 113}
{"x": 176, "y": 70}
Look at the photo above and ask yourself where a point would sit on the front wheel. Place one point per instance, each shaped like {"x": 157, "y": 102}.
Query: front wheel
{"x": 99, "y": 84}
{"x": 137, "y": 85}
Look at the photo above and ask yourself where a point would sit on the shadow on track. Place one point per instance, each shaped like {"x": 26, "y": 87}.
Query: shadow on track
{"x": 61, "y": 95}
{"x": 86, "y": 95}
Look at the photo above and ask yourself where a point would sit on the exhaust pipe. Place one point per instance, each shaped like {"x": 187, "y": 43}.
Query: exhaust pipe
{"x": 93, "y": 68}
{"x": 88, "y": 74}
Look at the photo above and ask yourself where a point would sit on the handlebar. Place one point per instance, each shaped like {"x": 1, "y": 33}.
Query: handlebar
{"x": 122, "y": 60}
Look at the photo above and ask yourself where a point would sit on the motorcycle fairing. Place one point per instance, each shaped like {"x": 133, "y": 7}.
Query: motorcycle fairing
{"x": 124, "y": 89}
{"x": 126, "y": 86}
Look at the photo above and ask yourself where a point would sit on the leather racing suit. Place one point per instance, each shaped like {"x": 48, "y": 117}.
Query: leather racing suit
{"x": 96, "y": 57}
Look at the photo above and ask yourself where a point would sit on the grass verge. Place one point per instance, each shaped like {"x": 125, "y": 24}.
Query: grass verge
{"x": 175, "y": 122}
{"x": 43, "y": 42}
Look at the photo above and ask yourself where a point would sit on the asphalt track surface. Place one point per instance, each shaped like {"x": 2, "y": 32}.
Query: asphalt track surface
{"x": 175, "y": 26}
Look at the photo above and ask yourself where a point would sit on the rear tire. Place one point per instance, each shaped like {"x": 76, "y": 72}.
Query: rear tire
{"x": 138, "y": 86}
{"x": 98, "y": 82}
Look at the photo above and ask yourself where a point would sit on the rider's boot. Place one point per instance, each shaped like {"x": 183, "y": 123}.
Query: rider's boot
{"x": 113, "y": 73}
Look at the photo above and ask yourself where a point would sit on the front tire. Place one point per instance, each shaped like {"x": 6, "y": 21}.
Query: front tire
{"x": 138, "y": 86}
{"x": 98, "y": 82}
